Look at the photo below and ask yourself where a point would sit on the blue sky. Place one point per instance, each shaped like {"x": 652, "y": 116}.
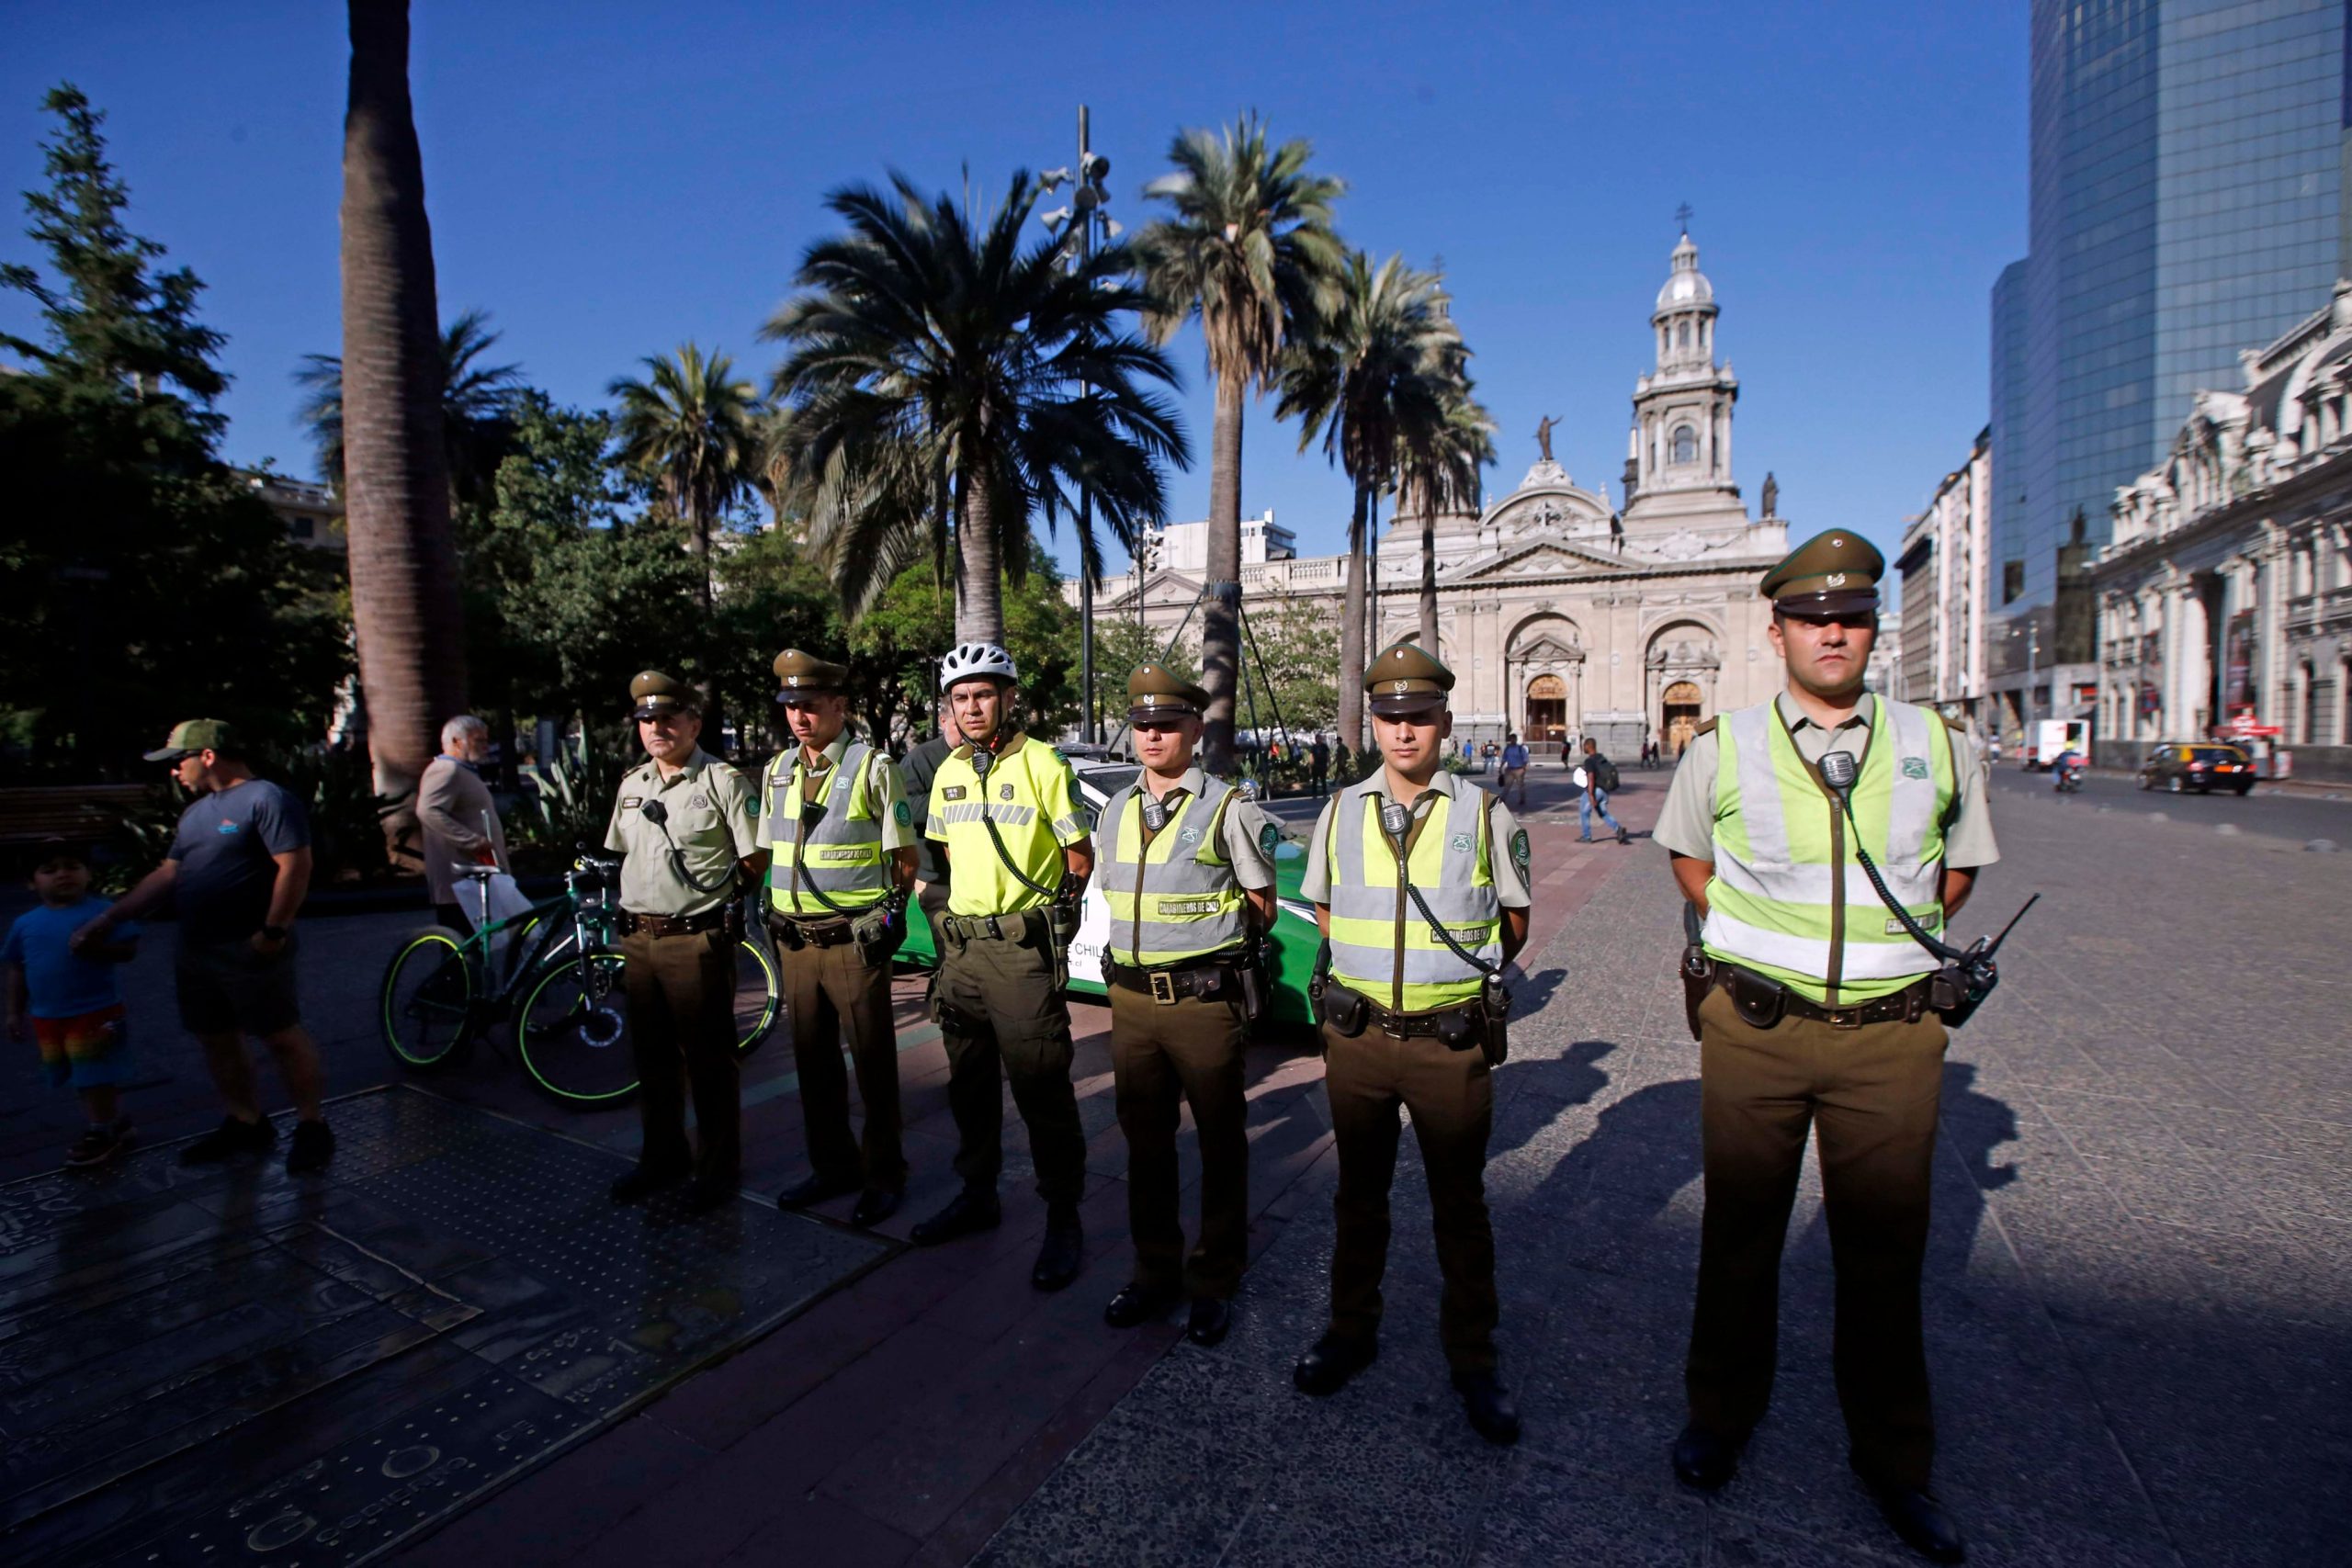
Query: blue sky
{"x": 610, "y": 179}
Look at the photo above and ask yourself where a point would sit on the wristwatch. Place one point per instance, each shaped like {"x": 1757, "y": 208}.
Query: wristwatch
{"x": 276, "y": 933}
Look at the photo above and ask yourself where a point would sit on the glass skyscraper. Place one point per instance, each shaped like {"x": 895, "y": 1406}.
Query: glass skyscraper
{"x": 2187, "y": 201}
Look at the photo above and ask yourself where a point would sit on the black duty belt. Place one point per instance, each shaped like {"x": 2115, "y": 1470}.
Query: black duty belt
{"x": 991, "y": 928}
{"x": 1175, "y": 982}
{"x": 1751, "y": 992}
{"x": 633, "y": 923}
{"x": 831, "y": 932}
{"x": 1418, "y": 1025}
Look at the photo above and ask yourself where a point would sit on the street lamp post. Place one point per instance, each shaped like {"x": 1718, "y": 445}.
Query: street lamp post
{"x": 1086, "y": 210}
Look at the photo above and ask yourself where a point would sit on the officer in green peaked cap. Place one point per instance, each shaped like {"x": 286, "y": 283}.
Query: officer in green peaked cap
{"x": 1405, "y": 679}
{"x": 654, "y": 694}
{"x": 1829, "y": 577}
{"x": 800, "y": 674}
{"x": 1156, "y": 692}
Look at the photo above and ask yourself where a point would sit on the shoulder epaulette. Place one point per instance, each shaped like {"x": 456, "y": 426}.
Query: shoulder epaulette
{"x": 1706, "y": 727}
{"x": 1957, "y": 726}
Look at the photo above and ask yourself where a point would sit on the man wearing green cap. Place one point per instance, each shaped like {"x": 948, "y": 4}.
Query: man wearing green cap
{"x": 239, "y": 866}
{"x": 683, "y": 822}
{"x": 841, "y": 840}
{"x": 1411, "y": 1020}
{"x": 1814, "y": 1017}
{"x": 1187, "y": 868}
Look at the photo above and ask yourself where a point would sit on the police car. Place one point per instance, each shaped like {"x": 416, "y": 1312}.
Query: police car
{"x": 1290, "y": 959}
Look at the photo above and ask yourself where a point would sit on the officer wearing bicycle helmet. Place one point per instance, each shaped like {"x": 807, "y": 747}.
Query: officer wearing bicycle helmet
{"x": 684, "y": 821}
{"x": 840, "y": 839}
{"x": 1004, "y": 814}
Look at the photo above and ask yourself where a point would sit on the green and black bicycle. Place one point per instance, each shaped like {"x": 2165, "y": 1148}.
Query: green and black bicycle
{"x": 554, "y": 973}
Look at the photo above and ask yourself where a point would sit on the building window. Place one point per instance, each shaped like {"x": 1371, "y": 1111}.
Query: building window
{"x": 1686, "y": 445}
{"x": 1682, "y": 335}
{"x": 2012, "y": 581}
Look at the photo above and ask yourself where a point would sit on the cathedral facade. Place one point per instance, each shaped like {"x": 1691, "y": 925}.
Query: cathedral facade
{"x": 1561, "y": 614}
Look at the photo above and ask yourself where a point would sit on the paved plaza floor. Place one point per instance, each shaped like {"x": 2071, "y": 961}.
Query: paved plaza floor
{"x": 2137, "y": 1291}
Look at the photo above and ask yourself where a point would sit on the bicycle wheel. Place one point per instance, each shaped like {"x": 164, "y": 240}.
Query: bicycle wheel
{"x": 426, "y": 1008}
{"x": 757, "y": 998}
{"x": 572, "y": 1032}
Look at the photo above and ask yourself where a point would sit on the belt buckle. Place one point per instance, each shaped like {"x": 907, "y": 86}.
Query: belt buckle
{"x": 1163, "y": 987}
{"x": 1845, "y": 1018}
{"x": 1393, "y": 1026}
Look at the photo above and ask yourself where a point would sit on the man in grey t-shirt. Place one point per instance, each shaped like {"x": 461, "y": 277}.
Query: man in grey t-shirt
{"x": 238, "y": 869}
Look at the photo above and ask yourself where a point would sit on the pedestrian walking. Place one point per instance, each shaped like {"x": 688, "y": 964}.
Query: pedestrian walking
{"x": 683, "y": 823}
{"x": 1812, "y": 1014}
{"x": 1005, "y": 814}
{"x": 67, "y": 1003}
{"x": 1411, "y": 1011}
{"x": 458, "y": 819}
{"x": 840, "y": 843}
{"x": 237, "y": 872}
{"x": 1187, "y": 869}
{"x": 1595, "y": 779}
{"x": 1515, "y": 769}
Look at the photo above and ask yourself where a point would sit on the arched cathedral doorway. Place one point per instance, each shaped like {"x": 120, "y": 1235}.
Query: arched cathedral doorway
{"x": 1678, "y": 717}
{"x": 1547, "y": 711}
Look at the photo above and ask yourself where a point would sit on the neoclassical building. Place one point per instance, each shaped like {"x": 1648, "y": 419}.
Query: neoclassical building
{"x": 2225, "y": 596}
{"x": 1560, "y": 614}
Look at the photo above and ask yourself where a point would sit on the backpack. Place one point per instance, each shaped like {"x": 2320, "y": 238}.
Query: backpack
{"x": 1604, "y": 774}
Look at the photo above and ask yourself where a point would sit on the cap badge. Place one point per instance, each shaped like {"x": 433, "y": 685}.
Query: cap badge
{"x": 1835, "y": 580}
{"x": 1402, "y": 685}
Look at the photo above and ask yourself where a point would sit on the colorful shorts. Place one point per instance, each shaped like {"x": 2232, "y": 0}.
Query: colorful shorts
{"x": 87, "y": 1051}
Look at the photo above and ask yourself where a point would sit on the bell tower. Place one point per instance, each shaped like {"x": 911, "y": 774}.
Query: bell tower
{"x": 1677, "y": 456}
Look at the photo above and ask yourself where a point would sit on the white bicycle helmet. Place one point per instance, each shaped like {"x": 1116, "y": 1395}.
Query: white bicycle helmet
{"x": 968, "y": 660}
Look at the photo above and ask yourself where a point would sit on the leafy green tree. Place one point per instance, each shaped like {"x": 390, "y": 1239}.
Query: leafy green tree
{"x": 146, "y": 581}
{"x": 1438, "y": 463}
{"x": 477, "y": 408}
{"x": 1294, "y": 650}
{"x": 945, "y": 383}
{"x": 772, "y": 595}
{"x": 1373, "y": 384}
{"x": 693, "y": 430}
{"x": 1247, "y": 248}
{"x": 897, "y": 644}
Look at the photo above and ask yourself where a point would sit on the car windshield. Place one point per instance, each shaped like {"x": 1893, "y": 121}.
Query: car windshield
{"x": 2214, "y": 754}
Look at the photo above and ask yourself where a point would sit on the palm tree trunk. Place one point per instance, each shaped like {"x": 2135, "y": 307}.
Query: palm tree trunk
{"x": 1352, "y": 630}
{"x": 396, "y": 472}
{"x": 979, "y": 574}
{"x": 1221, "y": 616}
{"x": 1429, "y": 572}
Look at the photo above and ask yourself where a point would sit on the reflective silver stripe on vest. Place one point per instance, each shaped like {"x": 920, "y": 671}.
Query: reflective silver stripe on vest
{"x": 1185, "y": 872}
{"x": 1456, "y": 901}
{"x": 1914, "y": 804}
{"x": 835, "y": 827}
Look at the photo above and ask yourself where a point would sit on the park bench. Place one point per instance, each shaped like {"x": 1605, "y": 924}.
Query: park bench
{"x": 81, "y": 813}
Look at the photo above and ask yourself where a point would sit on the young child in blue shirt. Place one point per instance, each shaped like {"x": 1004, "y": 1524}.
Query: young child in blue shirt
{"x": 70, "y": 1004}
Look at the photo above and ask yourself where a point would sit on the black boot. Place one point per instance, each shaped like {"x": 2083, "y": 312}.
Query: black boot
{"x": 1057, "y": 1257}
{"x": 1488, "y": 1405}
{"x": 1703, "y": 1459}
{"x": 1925, "y": 1525}
{"x": 1326, "y": 1369}
{"x": 1136, "y": 1304}
{"x": 1211, "y": 1319}
{"x": 964, "y": 1212}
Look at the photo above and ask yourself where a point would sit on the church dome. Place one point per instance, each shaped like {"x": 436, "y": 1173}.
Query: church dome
{"x": 1686, "y": 284}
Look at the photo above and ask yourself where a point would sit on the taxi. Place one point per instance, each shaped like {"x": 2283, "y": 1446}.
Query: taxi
{"x": 2201, "y": 765}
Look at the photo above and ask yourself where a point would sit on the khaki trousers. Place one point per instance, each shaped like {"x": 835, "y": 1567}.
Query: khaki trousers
{"x": 836, "y": 1000}
{"x": 1450, "y": 1094}
{"x": 681, "y": 1027}
{"x": 1002, "y": 1017}
{"x": 1163, "y": 1057}
{"x": 1870, "y": 1095}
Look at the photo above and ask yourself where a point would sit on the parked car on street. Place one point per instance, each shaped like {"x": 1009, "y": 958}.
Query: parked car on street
{"x": 2201, "y": 765}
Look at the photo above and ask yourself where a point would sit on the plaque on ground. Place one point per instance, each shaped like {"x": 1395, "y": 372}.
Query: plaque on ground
{"x": 233, "y": 1364}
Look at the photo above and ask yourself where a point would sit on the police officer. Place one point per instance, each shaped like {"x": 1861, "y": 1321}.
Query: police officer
{"x": 1408, "y": 1022}
{"x": 1005, "y": 812}
{"x": 841, "y": 842}
{"x": 684, "y": 821}
{"x": 1814, "y": 1015}
{"x": 1187, "y": 869}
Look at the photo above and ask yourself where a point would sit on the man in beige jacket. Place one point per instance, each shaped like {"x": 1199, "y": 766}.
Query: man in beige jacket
{"x": 462, "y": 826}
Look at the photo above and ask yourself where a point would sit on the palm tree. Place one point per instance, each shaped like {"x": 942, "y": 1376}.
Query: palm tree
{"x": 403, "y": 563}
{"x": 1248, "y": 248}
{"x": 697, "y": 434}
{"x": 943, "y": 382}
{"x": 477, "y": 407}
{"x": 1438, "y": 463}
{"x": 1379, "y": 370}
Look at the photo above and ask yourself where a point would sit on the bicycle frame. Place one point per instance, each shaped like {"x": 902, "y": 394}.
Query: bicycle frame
{"x": 577, "y": 920}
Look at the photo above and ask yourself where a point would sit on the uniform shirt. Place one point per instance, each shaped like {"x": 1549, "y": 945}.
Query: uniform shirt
{"x": 59, "y": 983}
{"x": 1686, "y": 824}
{"x": 1031, "y": 796}
{"x": 226, "y": 847}
{"x": 1249, "y": 838}
{"x": 917, "y": 770}
{"x": 1514, "y": 756}
{"x": 1507, "y": 849}
{"x": 885, "y": 797}
{"x": 711, "y": 824}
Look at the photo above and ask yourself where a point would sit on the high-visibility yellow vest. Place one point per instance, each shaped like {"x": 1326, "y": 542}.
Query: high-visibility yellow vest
{"x": 1176, "y": 898}
{"x": 1381, "y": 945}
{"x": 1788, "y": 898}
{"x": 840, "y": 853}
{"x": 1030, "y": 797}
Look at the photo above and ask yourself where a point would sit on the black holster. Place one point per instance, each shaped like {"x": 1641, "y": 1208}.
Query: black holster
{"x": 1343, "y": 1011}
{"x": 1494, "y": 1007}
{"x": 1698, "y": 969}
{"x": 1249, "y": 975}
